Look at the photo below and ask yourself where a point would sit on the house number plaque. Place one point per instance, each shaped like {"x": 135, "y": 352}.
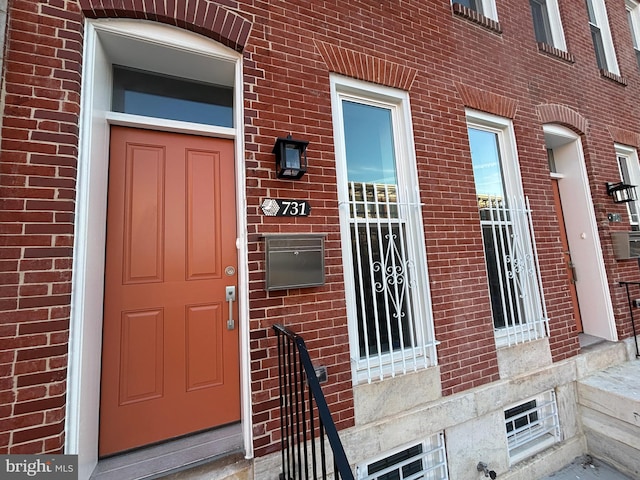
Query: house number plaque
{"x": 277, "y": 207}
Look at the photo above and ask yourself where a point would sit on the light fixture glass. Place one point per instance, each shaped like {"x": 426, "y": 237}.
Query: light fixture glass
{"x": 621, "y": 192}
{"x": 291, "y": 157}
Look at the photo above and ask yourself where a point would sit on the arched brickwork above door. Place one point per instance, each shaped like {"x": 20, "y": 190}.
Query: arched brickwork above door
{"x": 200, "y": 16}
{"x": 563, "y": 115}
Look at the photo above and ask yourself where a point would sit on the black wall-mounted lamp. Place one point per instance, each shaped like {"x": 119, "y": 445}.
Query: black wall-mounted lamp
{"x": 621, "y": 192}
{"x": 291, "y": 157}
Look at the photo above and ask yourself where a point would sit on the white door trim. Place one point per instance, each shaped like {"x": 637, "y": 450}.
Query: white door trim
{"x": 582, "y": 233}
{"x": 85, "y": 342}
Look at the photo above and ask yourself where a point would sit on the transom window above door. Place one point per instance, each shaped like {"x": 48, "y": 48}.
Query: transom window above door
{"x": 149, "y": 94}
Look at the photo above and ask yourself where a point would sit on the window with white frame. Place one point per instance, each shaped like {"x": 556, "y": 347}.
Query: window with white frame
{"x": 630, "y": 174}
{"x": 425, "y": 460}
{"x": 532, "y": 426}
{"x": 601, "y": 36}
{"x": 546, "y": 23}
{"x": 633, "y": 15}
{"x": 518, "y": 308}
{"x": 483, "y": 7}
{"x": 388, "y": 302}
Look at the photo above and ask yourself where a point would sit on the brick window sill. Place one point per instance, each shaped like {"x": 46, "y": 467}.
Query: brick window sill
{"x": 477, "y": 18}
{"x": 556, "y": 52}
{"x": 613, "y": 77}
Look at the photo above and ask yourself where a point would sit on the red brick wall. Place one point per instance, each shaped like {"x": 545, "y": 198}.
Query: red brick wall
{"x": 38, "y": 171}
{"x": 289, "y": 95}
{"x": 447, "y": 62}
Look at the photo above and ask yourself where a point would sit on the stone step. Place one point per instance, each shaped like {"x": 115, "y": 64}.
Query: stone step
{"x": 218, "y": 450}
{"x": 233, "y": 467}
{"x": 608, "y": 440}
{"x": 610, "y": 412}
{"x": 614, "y": 392}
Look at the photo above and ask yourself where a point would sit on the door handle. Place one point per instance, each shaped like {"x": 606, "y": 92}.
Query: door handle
{"x": 230, "y": 294}
{"x": 574, "y": 275}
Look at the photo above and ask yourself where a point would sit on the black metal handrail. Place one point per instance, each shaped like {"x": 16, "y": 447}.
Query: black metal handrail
{"x": 633, "y": 322}
{"x": 301, "y": 424}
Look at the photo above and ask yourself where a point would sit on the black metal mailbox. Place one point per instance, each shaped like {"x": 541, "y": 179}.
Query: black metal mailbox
{"x": 626, "y": 245}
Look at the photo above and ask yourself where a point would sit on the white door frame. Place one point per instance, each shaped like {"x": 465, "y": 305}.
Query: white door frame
{"x": 137, "y": 44}
{"x": 582, "y": 232}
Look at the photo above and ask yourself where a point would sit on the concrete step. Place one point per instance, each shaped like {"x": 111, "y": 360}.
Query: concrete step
{"x": 610, "y": 411}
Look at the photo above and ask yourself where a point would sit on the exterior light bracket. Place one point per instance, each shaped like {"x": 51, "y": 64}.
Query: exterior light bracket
{"x": 621, "y": 192}
{"x": 291, "y": 157}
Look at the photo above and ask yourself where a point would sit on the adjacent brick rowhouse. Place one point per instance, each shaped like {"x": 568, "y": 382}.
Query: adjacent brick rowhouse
{"x": 447, "y": 60}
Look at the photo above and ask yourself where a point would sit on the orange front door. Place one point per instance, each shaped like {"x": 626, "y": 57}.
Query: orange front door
{"x": 570, "y": 268}
{"x": 170, "y": 361}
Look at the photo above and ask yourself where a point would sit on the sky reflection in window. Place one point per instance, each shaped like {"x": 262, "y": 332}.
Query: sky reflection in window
{"x": 160, "y": 96}
{"x": 485, "y": 157}
{"x": 368, "y": 133}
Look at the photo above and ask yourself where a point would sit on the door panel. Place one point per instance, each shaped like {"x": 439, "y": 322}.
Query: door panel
{"x": 570, "y": 268}
{"x": 204, "y": 342}
{"x": 143, "y": 215}
{"x": 203, "y": 215}
{"x": 141, "y": 352}
{"x": 170, "y": 365}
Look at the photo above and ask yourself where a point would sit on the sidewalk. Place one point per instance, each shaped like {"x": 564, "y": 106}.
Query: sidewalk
{"x": 587, "y": 468}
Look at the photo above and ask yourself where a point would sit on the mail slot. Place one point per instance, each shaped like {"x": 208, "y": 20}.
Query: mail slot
{"x": 626, "y": 245}
{"x": 294, "y": 261}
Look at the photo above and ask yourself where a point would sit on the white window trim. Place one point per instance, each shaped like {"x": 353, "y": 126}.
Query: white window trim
{"x": 600, "y": 11}
{"x": 488, "y": 8}
{"x": 534, "y": 327}
{"x": 503, "y": 128}
{"x": 391, "y": 364}
{"x": 634, "y": 174}
{"x": 633, "y": 7}
{"x": 555, "y": 24}
{"x": 548, "y": 428}
{"x": 434, "y": 444}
